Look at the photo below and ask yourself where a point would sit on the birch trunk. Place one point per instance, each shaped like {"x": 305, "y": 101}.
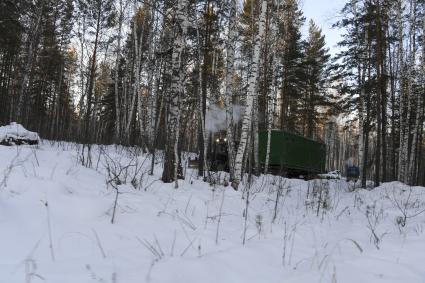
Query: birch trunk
{"x": 255, "y": 141}
{"x": 152, "y": 70}
{"x": 32, "y": 46}
{"x": 143, "y": 96}
{"x": 403, "y": 145}
{"x": 91, "y": 83}
{"x": 230, "y": 50}
{"x": 272, "y": 94}
{"x": 393, "y": 74}
{"x": 417, "y": 123}
{"x": 361, "y": 116}
{"x": 412, "y": 155}
{"x": 56, "y": 105}
{"x": 252, "y": 85}
{"x": 361, "y": 82}
{"x": 172, "y": 162}
{"x": 367, "y": 118}
{"x": 116, "y": 82}
{"x": 380, "y": 97}
{"x": 203, "y": 142}
{"x": 270, "y": 113}
{"x": 136, "y": 74}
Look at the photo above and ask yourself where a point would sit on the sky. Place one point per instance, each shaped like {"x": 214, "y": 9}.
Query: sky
{"x": 324, "y": 13}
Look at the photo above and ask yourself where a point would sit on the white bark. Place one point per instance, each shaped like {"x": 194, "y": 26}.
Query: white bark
{"x": 200, "y": 105}
{"x": 32, "y": 45}
{"x": 230, "y": 50}
{"x": 153, "y": 78}
{"x": 252, "y": 85}
{"x": 117, "y": 61}
{"x": 177, "y": 86}
{"x": 272, "y": 94}
{"x": 416, "y": 127}
{"x": 412, "y": 155}
{"x": 362, "y": 107}
{"x": 403, "y": 145}
{"x": 142, "y": 97}
{"x": 270, "y": 114}
{"x": 255, "y": 142}
{"x": 171, "y": 156}
{"x": 136, "y": 73}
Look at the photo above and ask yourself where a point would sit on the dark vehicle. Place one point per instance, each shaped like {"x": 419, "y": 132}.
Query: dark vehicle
{"x": 353, "y": 173}
{"x": 292, "y": 155}
{"x": 218, "y": 154}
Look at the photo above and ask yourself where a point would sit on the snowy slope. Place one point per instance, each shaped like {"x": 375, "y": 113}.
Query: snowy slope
{"x": 55, "y": 226}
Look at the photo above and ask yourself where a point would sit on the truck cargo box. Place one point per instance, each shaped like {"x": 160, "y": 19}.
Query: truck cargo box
{"x": 292, "y": 153}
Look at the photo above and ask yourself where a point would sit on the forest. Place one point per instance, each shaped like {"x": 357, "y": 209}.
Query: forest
{"x": 167, "y": 75}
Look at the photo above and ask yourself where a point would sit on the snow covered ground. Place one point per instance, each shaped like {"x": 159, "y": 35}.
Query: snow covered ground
{"x": 55, "y": 225}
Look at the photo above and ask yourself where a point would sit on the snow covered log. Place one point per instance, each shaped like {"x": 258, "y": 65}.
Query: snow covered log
{"x": 16, "y": 134}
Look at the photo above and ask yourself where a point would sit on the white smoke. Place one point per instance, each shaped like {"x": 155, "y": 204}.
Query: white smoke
{"x": 215, "y": 118}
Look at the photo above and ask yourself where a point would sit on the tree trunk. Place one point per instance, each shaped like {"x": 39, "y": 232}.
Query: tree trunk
{"x": 172, "y": 162}
{"x": 252, "y": 84}
{"x": 117, "y": 136}
{"x": 92, "y": 77}
{"x": 380, "y": 95}
{"x": 32, "y": 46}
{"x": 230, "y": 50}
{"x": 136, "y": 99}
{"x": 416, "y": 124}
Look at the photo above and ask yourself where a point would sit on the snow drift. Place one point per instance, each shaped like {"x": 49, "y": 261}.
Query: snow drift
{"x": 55, "y": 225}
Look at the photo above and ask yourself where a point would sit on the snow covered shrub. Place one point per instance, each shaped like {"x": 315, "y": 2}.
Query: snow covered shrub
{"x": 281, "y": 189}
{"x": 407, "y": 201}
{"x": 15, "y": 162}
{"x": 401, "y": 221}
{"x": 374, "y": 217}
{"x": 318, "y": 197}
{"x": 124, "y": 170}
{"x": 259, "y": 223}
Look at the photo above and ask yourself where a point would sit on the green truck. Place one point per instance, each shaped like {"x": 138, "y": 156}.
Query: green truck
{"x": 292, "y": 155}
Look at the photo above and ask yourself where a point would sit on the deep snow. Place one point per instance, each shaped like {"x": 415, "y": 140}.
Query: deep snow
{"x": 162, "y": 234}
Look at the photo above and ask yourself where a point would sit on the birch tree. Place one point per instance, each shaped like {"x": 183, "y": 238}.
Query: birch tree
{"x": 411, "y": 152}
{"x": 230, "y": 50}
{"x": 418, "y": 99}
{"x": 251, "y": 95}
{"x": 32, "y": 46}
{"x": 272, "y": 94}
{"x": 118, "y": 123}
{"x": 138, "y": 29}
{"x": 171, "y": 158}
{"x": 403, "y": 147}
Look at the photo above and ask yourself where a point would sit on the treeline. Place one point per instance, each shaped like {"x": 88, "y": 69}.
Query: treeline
{"x": 150, "y": 72}
{"x": 382, "y": 79}
{"x": 37, "y": 64}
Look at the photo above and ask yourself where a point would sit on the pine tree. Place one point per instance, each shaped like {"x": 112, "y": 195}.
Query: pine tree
{"x": 316, "y": 74}
{"x": 290, "y": 54}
